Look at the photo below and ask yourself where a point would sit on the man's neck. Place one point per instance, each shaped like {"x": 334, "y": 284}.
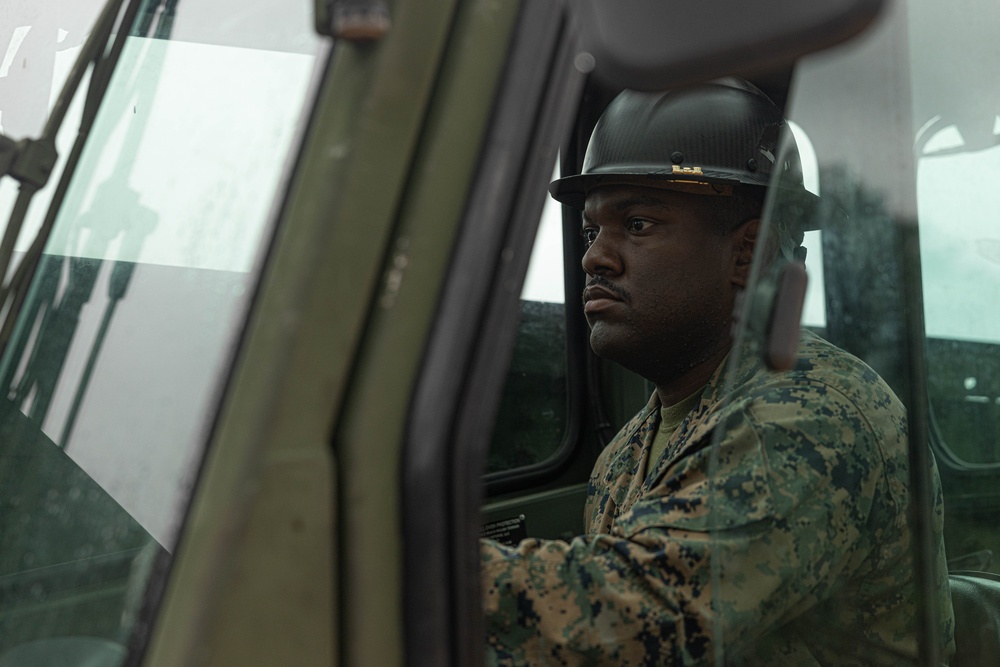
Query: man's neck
{"x": 696, "y": 377}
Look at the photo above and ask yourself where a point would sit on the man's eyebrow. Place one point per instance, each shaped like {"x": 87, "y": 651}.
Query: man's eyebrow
{"x": 640, "y": 200}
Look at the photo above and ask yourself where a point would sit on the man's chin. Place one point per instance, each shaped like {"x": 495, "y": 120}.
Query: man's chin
{"x": 608, "y": 342}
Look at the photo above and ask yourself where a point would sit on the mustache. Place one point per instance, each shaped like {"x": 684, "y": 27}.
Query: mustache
{"x": 604, "y": 283}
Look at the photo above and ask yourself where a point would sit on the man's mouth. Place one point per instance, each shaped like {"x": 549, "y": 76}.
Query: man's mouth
{"x": 598, "y": 297}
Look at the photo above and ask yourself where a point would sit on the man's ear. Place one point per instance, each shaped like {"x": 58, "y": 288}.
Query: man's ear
{"x": 744, "y": 242}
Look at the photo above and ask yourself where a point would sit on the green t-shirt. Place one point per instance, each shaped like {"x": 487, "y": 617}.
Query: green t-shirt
{"x": 671, "y": 417}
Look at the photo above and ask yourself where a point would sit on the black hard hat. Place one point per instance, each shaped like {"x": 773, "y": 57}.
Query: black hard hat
{"x": 705, "y": 138}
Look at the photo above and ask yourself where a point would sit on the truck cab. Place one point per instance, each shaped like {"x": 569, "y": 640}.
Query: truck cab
{"x": 290, "y": 320}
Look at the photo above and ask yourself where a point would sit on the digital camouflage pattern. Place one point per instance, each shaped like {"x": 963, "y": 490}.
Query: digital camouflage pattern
{"x": 792, "y": 526}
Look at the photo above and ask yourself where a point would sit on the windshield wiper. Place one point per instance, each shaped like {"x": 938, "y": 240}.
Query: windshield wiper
{"x": 31, "y": 161}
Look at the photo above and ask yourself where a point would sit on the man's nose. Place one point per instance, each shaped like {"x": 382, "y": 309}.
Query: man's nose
{"x": 602, "y": 258}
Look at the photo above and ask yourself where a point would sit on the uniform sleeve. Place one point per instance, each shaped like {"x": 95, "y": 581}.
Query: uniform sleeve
{"x": 828, "y": 519}
{"x": 599, "y": 599}
{"x": 783, "y": 517}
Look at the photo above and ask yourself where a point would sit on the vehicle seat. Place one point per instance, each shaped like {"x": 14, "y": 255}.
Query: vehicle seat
{"x": 976, "y": 599}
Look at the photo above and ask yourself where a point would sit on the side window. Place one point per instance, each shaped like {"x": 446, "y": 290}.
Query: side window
{"x": 531, "y": 422}
{"x": 961, "y": 268}
{"x": 814, "y": 309}
{"x": 111, "y": 378}
{"x": 957, "y": 146}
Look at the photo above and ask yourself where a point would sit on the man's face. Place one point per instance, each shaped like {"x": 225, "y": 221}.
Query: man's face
{"x": 660, "y": 286}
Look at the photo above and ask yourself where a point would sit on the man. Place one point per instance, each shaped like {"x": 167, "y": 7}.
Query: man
{"x": 744, "y": 515}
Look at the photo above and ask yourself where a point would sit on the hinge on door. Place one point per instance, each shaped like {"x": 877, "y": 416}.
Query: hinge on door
{"x": 30, "y": 161}
{"x": 353, "y": 20}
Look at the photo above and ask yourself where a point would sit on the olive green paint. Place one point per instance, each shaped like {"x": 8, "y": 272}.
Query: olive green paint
{"x": 368, "y": 439}
{"x": 254, "y": 580}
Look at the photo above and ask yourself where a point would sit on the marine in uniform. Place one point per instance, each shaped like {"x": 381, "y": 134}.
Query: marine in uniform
{"x": 745, "y": 514}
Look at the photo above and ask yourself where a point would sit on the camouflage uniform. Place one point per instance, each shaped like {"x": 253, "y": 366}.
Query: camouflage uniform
{"x": 793, "y": 528}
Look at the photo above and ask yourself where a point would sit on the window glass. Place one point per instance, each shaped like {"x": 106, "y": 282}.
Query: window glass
{"x": 532, "y": 416}
{"x": 960, "y": 248}
{"x": 961, "y": 273}
{"x": 111, "y": 379}
{"x": 544, "y": 282}
{"x": 957, "y": 145}
{"x": 810, "y": 468}
{"x": 814, "y": 309}
{"x": 904, "y": 142}
{"x": 957, "y": 142}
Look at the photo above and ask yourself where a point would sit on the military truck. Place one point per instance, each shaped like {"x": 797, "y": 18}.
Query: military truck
{"x": 289, "y": 320}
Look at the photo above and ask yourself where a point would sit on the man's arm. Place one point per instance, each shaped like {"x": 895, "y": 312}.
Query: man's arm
{"x": 790, "y": 524}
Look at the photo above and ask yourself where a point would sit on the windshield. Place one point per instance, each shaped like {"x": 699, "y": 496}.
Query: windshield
{"x": 112, "y": 375}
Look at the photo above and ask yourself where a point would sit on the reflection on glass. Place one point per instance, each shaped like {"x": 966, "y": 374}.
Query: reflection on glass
{"x": 957, "y": 145}
{"x": 112, "y": 376}
{"x": 961, "y": 275}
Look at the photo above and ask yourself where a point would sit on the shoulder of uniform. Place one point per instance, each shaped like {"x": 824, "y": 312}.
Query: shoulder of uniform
{"x": 821, "y": 363}
{"x": 830, "y": 396}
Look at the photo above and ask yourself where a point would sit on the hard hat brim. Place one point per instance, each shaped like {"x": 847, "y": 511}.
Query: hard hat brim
{"x": 810, "y": 210}
{"x": 572, "y": 190}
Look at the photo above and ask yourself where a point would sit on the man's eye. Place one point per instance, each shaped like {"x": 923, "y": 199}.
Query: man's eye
{"x": 638, "y": 224}
{"x": 589, "y": 236}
